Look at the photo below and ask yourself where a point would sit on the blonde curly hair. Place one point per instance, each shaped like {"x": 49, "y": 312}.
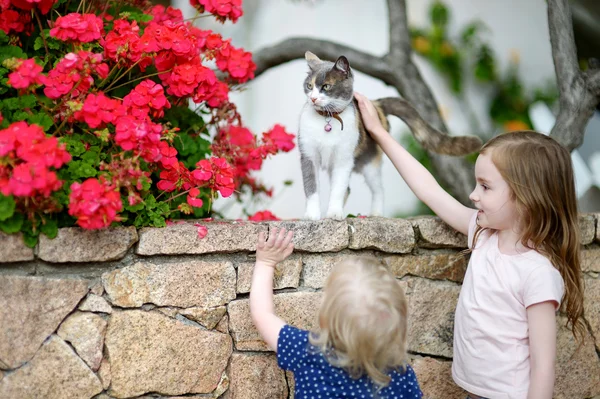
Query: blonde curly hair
{"x": 363, "y": 320}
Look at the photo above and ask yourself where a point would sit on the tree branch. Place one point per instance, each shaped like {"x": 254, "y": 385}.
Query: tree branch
{"x": 578, "y": 92}
{"x": 592, "y": 77}
{"x": 399, "y": 35}
{"x": 564, "y": 52}
{"x": 294, "y": 48}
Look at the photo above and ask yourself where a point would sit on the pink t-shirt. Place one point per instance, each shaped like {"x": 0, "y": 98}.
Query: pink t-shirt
{"x": 491, "y": 335}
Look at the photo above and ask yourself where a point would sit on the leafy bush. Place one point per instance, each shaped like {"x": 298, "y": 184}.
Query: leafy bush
{"x": 96, "y": 128}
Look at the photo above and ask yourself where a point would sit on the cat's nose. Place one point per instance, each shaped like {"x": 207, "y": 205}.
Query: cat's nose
{"x": 314, "y": 100}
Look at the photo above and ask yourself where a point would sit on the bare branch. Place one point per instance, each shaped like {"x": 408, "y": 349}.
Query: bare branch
{"x": 592, "y": 77}
{"x": 398, "y": 27}
{"x": 564, "y": 52}
{"x": 578, "y": 92}
{"x": 292, "y": 49}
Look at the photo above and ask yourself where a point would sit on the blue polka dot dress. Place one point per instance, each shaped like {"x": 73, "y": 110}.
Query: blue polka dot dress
{"x": 316, "y": 379}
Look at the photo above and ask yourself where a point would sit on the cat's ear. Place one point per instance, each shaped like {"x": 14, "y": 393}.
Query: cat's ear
{"x": 342, "y": 65}
{"x": 312, "y": 60}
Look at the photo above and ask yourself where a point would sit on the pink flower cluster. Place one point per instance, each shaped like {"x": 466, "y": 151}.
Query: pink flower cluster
{"x": 95, "y": 203}
{"x": 27, "y": 161}
{"x": 73, "y": 74}
{"x": 222, "y": 9}
{"x": 78, "y": 28}
{"x": 27, "y": 73}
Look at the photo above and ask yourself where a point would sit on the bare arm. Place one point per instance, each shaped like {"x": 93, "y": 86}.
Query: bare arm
{"x": 541, "y": 319}
{"x": 268, "y": 254}
{"x": 418, "y": 178}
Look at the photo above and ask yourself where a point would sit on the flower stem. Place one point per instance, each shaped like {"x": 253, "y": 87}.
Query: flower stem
{"x": 134, "y": 80}
{"x": 125, "y": 73}
{"x": 37, "y": 17}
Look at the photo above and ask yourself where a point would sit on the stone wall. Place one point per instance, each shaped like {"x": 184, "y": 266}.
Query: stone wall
{"x": 122, "y": 313}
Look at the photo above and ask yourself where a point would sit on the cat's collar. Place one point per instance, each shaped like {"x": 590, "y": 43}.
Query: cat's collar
{"x": 328, "y": 116}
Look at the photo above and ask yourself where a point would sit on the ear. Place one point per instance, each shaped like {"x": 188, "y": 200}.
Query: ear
{"x": 342, "y": 65}
{"x": 312, "y": 59}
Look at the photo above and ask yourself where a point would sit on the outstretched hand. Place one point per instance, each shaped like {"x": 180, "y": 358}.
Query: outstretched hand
{"x": 276, "y": 248}
{"x": 370, "y": 116}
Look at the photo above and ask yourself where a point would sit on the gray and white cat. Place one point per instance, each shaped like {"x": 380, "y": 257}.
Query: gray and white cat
{"x": 331, "y": 136}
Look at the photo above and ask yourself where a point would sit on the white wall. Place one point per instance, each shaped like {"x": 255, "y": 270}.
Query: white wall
{"x": 277, "y": 96}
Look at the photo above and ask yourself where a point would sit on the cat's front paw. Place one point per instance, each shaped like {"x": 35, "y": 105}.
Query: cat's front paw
{"x": 312, "y": 214}
{"x": 337, "y": 214}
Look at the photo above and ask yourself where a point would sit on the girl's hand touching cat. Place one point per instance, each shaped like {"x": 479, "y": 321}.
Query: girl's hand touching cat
{"x": 369, "y": 115}
{"x": 275, "y": 249}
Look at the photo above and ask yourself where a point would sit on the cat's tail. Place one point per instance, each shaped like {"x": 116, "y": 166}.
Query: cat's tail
{"x": 428, "y": 136}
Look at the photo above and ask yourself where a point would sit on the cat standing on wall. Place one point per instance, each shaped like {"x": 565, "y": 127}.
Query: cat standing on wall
{"x": 331, "y": 136}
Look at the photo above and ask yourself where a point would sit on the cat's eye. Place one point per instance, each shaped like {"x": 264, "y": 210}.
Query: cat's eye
{"x": 309, "y": 86}
{"x": 326, "y": 87}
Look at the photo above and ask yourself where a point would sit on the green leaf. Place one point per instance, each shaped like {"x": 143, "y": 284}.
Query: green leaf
{"x": 7, "y": 52}
{"x": 3, "y": 37}
{"x": 158, "y": 221}
{"x": 74, "y": 145}
{"x": 439, "y": 14}
{"x": 81, "y": 170}
{"x": 31, "y": 239}
{"x": 49, "y": 228}
{"x": 52, "y": 43}
{"x": 11, "y": 103}
{"x": 42, "y": 119}
{"x": 288, "y": 182}
{"x": 135, "y": 208}
{"x": 12, "y": 224}
{"x": 28, "y": 101}
{"x": 7, "y": 207}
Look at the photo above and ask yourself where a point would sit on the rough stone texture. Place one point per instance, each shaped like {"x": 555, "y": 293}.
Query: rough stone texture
{"x": 431, "y": 317}
{"x": 577, "y": 372}
{"x": 256, "y": 376}
{"x": 587, "y": 225}
{"x": 104, "y": 373}
{"x": 95, "y": 303}
{"x": 149, "y": 352}
{"x": 438, "y": 266}
{"x": 590, "y": 260}
{"x": 317, "y": 267}
{"x": 289, "y": 376}
{"x": 325, "y": 235}
{"x": 182, "y": 284}
{"x": 85, "y": 331}
{"x": 182, "y": 238}
{"x": 30, "y": 310}
{"x": 591, "y": 308}
{"x": 55, "y": 372}
{"x": 389, "y": 235}
{"x": 297, "y": 308}
{"x": 597, "y": 216}
{"x": 97, "y": 288}
{"x": 287, "y": 274}
{"x": 13, "y": 249}
{"x": 223, "y": 325}
{"x": 434, "y": 233}
{"x": 435, "y": 379}
{"x": 73, "y": 244}
{"x": 207, "y": 317}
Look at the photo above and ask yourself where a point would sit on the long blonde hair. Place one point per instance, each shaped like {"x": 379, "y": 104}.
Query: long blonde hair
{"x": 539, "y": 172}
{"x": 363, "y": 320}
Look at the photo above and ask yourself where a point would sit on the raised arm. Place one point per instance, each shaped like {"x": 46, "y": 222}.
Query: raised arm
{"x": 269, "y": 253}
{"x": 418, "y": 178}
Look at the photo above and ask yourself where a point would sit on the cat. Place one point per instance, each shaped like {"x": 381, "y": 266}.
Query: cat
{"x": 331, "y": 136}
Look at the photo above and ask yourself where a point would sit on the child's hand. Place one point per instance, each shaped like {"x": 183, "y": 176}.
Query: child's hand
{"x": 275, "y": 249}
{"x": 369, "y": 114}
